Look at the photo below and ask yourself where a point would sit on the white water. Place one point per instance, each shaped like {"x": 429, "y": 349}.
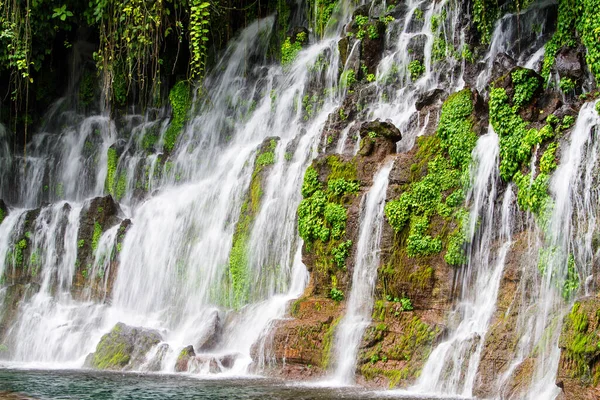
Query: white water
{"x": 452, "y": 366}
{"x": 174, "y": 272}
{"x": 359, "y": 306}
{"x": 174, "y": 261}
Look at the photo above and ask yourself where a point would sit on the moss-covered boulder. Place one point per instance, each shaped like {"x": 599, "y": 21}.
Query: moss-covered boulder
{"x": 123, "y": 348}
{"x": 183, "y": 360}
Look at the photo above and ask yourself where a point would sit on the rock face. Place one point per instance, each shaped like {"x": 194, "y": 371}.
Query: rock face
{"x": 99, "y": 215}
{"x": 123, "y": 348}
{"x": 579, "y": 368}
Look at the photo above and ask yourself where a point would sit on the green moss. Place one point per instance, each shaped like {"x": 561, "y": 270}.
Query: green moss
{"x": 2, "y": 215}
{"x": 328, "y": 342}
{"x": 180, "y": 100}
{"x": 238, "y": 263}
{"x": 111, "y": 174}
{"x": 121, "y": 186}
{"x": 111, "y": 352}
{"x": 580, "y": 342}
{"x": 96, "y": 235}
{"x": 413, "y": 347}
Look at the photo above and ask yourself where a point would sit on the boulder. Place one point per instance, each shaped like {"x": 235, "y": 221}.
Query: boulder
{"x": 123, "y": 348}
{"x": 210, "y": 336}
{"x": 431, "y": 97}
{"x": 182, "y": 363}
{"x": 568, "y": 63}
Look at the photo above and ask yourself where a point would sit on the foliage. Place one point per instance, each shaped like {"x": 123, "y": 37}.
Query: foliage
{"x": 199, "y": 24}
{"x": 447, "y": 157}
{"x": 290, "y": 50}
{"x": 365, "y": 28}
{"x": 548, "y": 160}
{"x": 416, "y": 69}
{"x": 533, "y": 193}
{"x": 180, "y": 100}
{"x": 576, "y": 18}
{"x": 406, "y": 304}
{"x": 567, "y": 84}
{"x": 322, "y": 10}
{"x": 516, "y": 141}
{"x": 485, "y": 13}
{"x": 341, "y": 253}
{"x": 341, "y": 186}
{"x": 336, "y": 294}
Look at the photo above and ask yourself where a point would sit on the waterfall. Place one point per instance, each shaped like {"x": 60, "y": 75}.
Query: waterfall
{"x": 452, "y": 366}
{"x": 174, "y": 258}
{"x": 357, "y": 318}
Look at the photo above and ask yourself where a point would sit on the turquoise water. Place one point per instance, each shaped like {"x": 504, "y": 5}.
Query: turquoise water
{"x": 83, "y": 385}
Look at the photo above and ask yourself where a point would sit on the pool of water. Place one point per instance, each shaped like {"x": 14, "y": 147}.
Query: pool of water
{"x": 86, "y": 384}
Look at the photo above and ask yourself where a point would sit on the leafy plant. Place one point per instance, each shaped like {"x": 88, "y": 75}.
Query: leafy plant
{"x": 416, "y": 69}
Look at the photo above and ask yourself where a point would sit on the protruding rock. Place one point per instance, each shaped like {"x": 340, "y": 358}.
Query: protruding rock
{"x": 154, "y": 364}
{"x": 211, "y": 334}
{"x": 568, "y": 63}
{"x": 182, "y": 363}
{"x": 431, "y": 97}
{"x": 123, "y": 348}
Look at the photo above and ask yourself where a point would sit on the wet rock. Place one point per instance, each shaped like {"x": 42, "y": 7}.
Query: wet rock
{"x": 568, "y": 63}
{"x": 417, "y": 20}
{"x": 547, "y": 104}
{"x": 3, "y": 210}
{"x": 378, "y": 139}
{"x": 429, "y": 98}
{"x": 416, "y": 47}
{"x": 99, "y": 215}
{"x": 372, "y": 45}
{"x": 344, "y": 49}
{"x": 213, "y": 364}
{"x": 503, "y": 64}
{"x": 155, "y": 363}
{"x": 123, "y": 348}
{"x": 11, "y": 298}
{"x": 182, "y": 363}
{"x": 211, "y": 335}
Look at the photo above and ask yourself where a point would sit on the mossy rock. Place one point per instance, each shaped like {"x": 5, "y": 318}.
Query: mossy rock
{"x": 123, "y": 348}
{"x": 580, "y": 346}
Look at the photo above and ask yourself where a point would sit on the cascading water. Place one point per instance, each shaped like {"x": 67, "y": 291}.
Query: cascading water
{"x": 568, "y": 239}
{"x": 452, "y": 366}
{"x": 174, "y": 272}
{"x": 357, "y": 318}
{"x": 205, "y": 238}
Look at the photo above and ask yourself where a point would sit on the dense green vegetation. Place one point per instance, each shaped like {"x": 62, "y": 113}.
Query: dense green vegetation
{"x": 137, "y": 48}
{"x": 446, "y": 158}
